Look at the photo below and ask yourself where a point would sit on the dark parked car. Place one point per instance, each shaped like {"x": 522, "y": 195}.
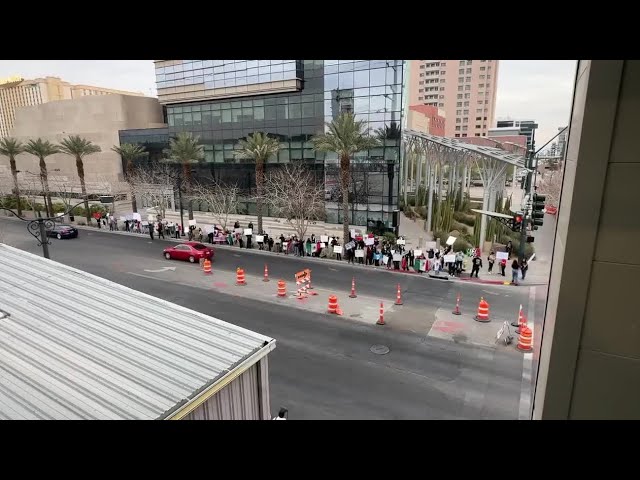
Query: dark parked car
{"x": 63, "y": 231}
{"x": 192, "y": 251}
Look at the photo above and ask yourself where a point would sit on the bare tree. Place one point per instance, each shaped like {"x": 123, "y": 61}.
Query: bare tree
{"x": 106, "y": 186}
{"x": 551, "y": 186}
{"x": 293, "y": 192}
{"x": 155, "y": 184}
{"x": 31, "y": 190}
{"x": 221, "y": 199}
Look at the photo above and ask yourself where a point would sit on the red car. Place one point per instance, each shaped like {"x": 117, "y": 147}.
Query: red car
{"x": 192, "y": 251}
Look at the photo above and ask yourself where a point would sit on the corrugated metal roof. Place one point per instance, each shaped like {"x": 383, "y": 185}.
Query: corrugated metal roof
{"x": 76, "y": 346}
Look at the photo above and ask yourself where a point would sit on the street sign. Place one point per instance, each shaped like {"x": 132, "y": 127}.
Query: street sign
{"x": 106, "y": 198}
{"x": 303, "y": 275}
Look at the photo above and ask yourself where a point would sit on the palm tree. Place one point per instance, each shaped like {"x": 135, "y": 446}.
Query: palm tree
{"x": 258, "y": 147}
{"x": 185, "y": 149}
{"x": 390, "y": 132}
{"x": 79, "y": 147}
{"x": 345, "y": 137}
{"x": 42, "y": 149}
{"x": 10, "y": 147}
{"x": 129, "y": 153}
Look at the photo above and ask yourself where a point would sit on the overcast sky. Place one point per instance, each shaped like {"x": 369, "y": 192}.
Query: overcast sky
{"x": 527, "y": 89}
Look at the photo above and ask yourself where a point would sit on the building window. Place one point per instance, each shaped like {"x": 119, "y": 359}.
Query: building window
{"x": 421, "y": 90}
{"x": 420, "y": 98}
{"x": 422, "y": 74}
{"x": 462, "y": 63}
{"x": 486, "y": 102}
{"x": 466, "y": 104}
{"x": 484, "y": 118}
{"x": 468, "y": 71}
{"x": 458, "y": 120}
{"x": 488, "y": 77}
{"x": 442, "y": 73}
{"x": 478, "y": 110}
{"x": 477, "y": 126}
{"x": 459, "y": 95}
{"x": 441, "y": 96}
{"x": 461, "y": 71}
{"x": 482, "y": 69}
{"x": 421, "y": 82}
{"x": 441, "y": 104}
{"x": 460, "y": 79}
{"x": 467, "y": 87}
{"x": 457, "y": 134}
{"x": 459, "y": 88}
{"x": 443, "y": 64}
{"x": 442, "y": 89}
{"x": 468, "y": 79}
{"x": 489, "y": 68}
{"x": 482, "y": 61}
{"x": 466, "y": 112}
{"x": 458, "y": 112}
{"x": 458, "y": 104}
{"x": 481, "y": 85}
{"x": 469, "y": 62}
{"x": 477, "y": 134}
{"x": 484, "y": 134}
{"x": 465, "y": 120}
{"x": 464, "y": 128}
{"x": 481, "y": 77}
{"x": 467, "y": 95}
{"x": 479, "y": 102}
{"x": 457, "y": 128}
{"x": 422, "y": 66}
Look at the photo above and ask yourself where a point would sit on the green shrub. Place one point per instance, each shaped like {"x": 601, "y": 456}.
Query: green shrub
{"x": 422, "y": 212}
{"x": 441, "y": 235}
{"x": 466, "y": 218}
{"x": 462, "y": 228}
{"x": 411, "y": 200}
{"x": 390, "y": 237}
{"x": 59, "y": 207}
{"x": 461, "y": 244}
{"x": 10, "y": 201}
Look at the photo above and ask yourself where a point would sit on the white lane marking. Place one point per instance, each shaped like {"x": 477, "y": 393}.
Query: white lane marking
{"x": 163, "y": 269}
{"x": 526, "y": 391}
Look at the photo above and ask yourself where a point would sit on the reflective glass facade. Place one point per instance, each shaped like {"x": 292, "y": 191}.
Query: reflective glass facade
{"x": 371, "y": 89}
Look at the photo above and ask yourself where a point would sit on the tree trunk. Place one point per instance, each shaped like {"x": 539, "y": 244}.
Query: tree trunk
{"x": 259, "y": 191}
{"x": 344, "y": 186}
{"x": 186, "y": 171}
{"x": 134, "y": 203}
{"x": 16, "y": 187}
{"x": 430, "y": 200}
{"x": 45, "y": 187}
{"x": 83, "y": 187}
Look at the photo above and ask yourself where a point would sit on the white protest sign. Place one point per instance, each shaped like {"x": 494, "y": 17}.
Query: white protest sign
{"x": 122, "y": 219}
{"x": 285, "y": 245}
{"x": 369, "y": 241}
{"x": 451, "y": 240}
{"x": 353, "y": 233}
{"x": 385, "y": 259}
{"x": 237, "y": 230}
{"x": 449, "y": 259}
{"x": 337, "y": 249}
{"x": 324, "y": 238}
{"x": 430, "y": 245}
{"x": 502, "y": 256}
{"x": 423, "y": 265}
{"x": 145, "y": 223}
{"x": 417, "y": 252}
{"x": 248, "y": 231}
{"x": 259, "y": 238}
{"x": 210, "y": 228}
{"x": 360, "y": 253}
{"x": 136, "y": 216}
{"x": 151, "y": 218}
{"x": 323, "y": 244}
{"x": 350, "y": 245}
{"x": 401, "y": 241}
{"x": 397, "y": 257}
{"x": 192, "y": 223}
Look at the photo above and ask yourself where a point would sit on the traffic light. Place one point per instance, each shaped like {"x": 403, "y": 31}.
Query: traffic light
{"x": 516, "y": 222}
{"x": 537, "y": 207}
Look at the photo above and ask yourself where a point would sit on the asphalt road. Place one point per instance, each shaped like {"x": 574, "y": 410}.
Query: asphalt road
{"x": 322, "y": 367}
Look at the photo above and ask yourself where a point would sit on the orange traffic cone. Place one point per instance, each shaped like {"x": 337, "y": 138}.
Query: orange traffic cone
{"x": 310, "y": 289}
{"x": 381, "y": 318}
{"x": 525, "y": 340}
{"x": 520, "y": 315}
{"x": 483, "y": 311}
{"x": 206, "y": 266}
{"x": 282, "y": 288}
{"x": 240, "y": 277}
{"x": 266, "y": 273}
{"x": 333, "y": 304}
{"x": 398, "y": 296}
{"x": 353, "y": 288}
{"x": 457, "y": 310}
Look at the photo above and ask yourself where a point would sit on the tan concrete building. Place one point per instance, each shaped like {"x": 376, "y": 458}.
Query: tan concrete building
{"x": 96, "y": 118}
{"x": 464, "y": 89}
{"x": 16, "y": 92}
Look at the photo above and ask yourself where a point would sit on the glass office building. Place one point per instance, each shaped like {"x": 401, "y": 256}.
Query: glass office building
{"x": 223, "y": 101}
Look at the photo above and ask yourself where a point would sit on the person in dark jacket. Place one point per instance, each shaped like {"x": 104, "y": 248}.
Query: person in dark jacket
{"x": 476, "y": 266}
{"x": 524, "y": 266}
{"x": 515, "y": 268}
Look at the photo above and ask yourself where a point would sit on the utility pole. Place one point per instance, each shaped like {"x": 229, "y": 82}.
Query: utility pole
{"x": 529, "y": 164}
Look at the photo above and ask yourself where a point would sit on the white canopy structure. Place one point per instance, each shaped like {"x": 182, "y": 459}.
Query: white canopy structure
{"x": 492, "y": 164}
